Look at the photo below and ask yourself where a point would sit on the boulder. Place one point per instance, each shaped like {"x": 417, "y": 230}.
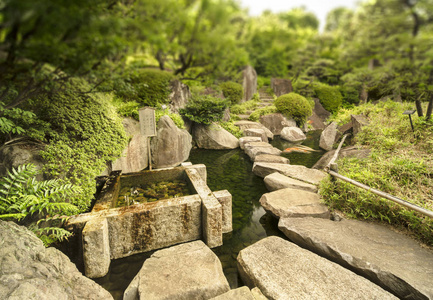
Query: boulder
{"x": 255, "y": 132}
{"x": 327, "y": 138}
{"x": 249, "y": 83}
{"x": 281, "y": 86}
{"x": 293, "y": 134}
{"x": 294, "y": 171}
{"x": 277, "y": 181}
{"x": 252, "y": 152}
{"x": 248, "y": 139}
{"x": 283, "y": 270}
{"x": 343, "y": 129}
{"x": 315, "y": 122}
{"x": 242, "y": 293}
{"x": 276, "y": 122}
{"x": 243, "y": 125}
{"x": 358, "y": 121}
{"x": 179, "y": 95}
{"x": 294, "y": 203}
{"x": 171, "y": 146}
{"x": 213, "y": 136}
{"x": 390, "y": 259}
{"x": 20, "y": 152}
{"x": 226, "y": 116}
{"x": 320, "y": 111}
{"x": 135, "y": 156}
{"x": 186, "y": 271}
{"x": 269, "y": 158}
{"x": 351, "y": 151}
{"x": 31, "y": 271}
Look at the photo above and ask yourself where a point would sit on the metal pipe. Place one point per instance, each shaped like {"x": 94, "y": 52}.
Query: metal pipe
{"x": 417, "y": 208}
{"x": 334, "y": 158}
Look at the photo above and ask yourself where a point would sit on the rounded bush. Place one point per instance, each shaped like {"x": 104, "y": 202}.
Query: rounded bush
{"x": 204, "y": 109}
{"x": 329, "y": 96}
{"x": 232, "y": 91}
{"x": 295, "y": 106}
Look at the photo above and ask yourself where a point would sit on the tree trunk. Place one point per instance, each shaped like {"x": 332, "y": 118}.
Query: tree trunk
{"x": 419, "y": 108}
{"x": 429, "y": 108}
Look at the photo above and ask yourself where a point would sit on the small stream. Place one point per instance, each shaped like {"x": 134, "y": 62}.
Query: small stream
{"x": 230, "y": 170}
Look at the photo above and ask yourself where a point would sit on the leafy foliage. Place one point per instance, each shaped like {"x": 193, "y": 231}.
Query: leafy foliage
{"x": 295, "y": 106}
{"x": 22, "y": 197}
{"x": 177, "y": 119}
{"x": 232, "y": 91}
{"x": 255, "y": 116}
{"x": 329, "y": 96}
{"x": 232, "y": 128}
{"x": 204, "y": 109}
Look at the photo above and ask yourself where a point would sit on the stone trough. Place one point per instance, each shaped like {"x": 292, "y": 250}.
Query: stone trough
{"x": 109, "y": 233}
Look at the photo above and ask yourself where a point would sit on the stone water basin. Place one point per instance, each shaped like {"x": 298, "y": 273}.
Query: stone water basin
{"x": 111, "y": 232}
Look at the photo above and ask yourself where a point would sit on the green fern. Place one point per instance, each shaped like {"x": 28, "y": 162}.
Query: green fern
{"x": 21, "y": 195}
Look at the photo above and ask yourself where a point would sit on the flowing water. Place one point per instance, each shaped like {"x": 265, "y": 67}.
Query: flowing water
{"x": 230, "y": 170}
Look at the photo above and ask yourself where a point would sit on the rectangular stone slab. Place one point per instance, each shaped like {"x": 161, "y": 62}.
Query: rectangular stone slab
{"x": 282, "y": 270}
{"x": 392, "y": 260}
{"x": 302, "y": 173}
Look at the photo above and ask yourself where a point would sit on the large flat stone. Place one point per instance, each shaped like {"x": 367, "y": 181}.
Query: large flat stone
{"x": 269, "y": 158}
{"x": 244, "y": 125}
{"x": 391, "y": 259}
{"x": 242, "y": 293}
{"x": 213, "y": 136}
{"x": 294, "y": 203}
{"x": 283, "y": 270}
{"x": 294, "y": 171}
{"x": 252, "y": 152}
{"x": 187, "y": 271}
{"x": 277, "y": 181}
{"x": 248, "y": 139}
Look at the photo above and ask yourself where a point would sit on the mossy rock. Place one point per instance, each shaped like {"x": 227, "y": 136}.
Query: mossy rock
{"x": 295, "y": 106}
{"x": 329, "y": 96}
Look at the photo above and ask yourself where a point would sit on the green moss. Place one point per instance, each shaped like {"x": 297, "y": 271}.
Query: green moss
{"x": 177, "y": 119}
{"x": 329, "y": 96}
{"x": 232, "y": 128}
{"x": 295, "y": 106}
{"x": 255, "y": 116}
{"x": 242, "y": 108}
{"x": 232, "y": 91}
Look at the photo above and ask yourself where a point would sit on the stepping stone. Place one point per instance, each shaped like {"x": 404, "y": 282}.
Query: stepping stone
{"x": 294, "y": 171}
{"x": 248, "y": 139}
{"x": 257, "y": 144}
{"x": 391, "y": 259}
{"x": 294, "y": 203}
{"x": 255, "y": 132}
{"x": 269, "y": 158}
{"x": 186, "y": 271}
{"x": 277, "y": 181}
{"x": 242, "y": 293}
{"x": 243, "y": 117}
{"x": 252, "y": 152}
{"x": 283, "y": 270}
{"x": 293, "y": 134}
{"x": 243, "y": 125}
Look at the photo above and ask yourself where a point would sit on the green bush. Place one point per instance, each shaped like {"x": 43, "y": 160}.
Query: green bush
{"x": 232, "y": 128}
{"x": 148, "y": 87}
{"x": 263, "y": 81}
{"x": 177, "y": 119}
{"x": 86, "y": 133}
{"x": 329, "y": 96}
{"x": 204, "y": 109}
{"x": 255, "y": 116}
{"x": 243, "y": 107}
{"x": 232, "y": 91}
{"x": 295, "y": 106}
{"x": 304, "y": 88}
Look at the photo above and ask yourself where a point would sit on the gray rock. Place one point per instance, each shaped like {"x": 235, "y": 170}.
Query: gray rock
{"x": 282, "y": 270}
{"x": 351, "y": 151}
{"x": 252, "y": 152}
{"x": 276, "y": 122}
{"x": 294, "y": 203}
{"x": 320, "y": 111}
{"x": 256, "y": 132}
{"x": 135, "y": 156}
{"x": 248, "y": 139}
{"x": 244, "y": 125}
{"x": 327, "y": 138}
{"x": 269, "y": 158}
{"x": 281, "y": 86}
{"x": 249, "y": 83}
{"x": 388, "y": 258}
{"x": 293, "y": 134}
{"x": 214, "y": 137}
{"x": 186, "y": 271}
{"x": 242, "y": 293}
{"x": 277, "y": 181}
{"x": 171, "y": 146}
{"x": 28, "y": 270}
{"x": 315, "y": 122}
{"x": 20, "y": 152}
{"x": 343, "y": 129}
{"x": 179, "y": 95}
{"x": 294, "y": 171}
{"x": 226, "y": 116}
{"x": 358, "y": 121}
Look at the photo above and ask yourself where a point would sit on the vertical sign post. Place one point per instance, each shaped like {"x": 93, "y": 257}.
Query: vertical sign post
{"x": 147, "y": 126}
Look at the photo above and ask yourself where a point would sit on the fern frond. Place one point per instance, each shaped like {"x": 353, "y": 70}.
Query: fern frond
{"x": 16, "y": 180}
{"x": 16, "y": 216}
{"x": 62, "y": 207}
{"x": 50, "y": 234}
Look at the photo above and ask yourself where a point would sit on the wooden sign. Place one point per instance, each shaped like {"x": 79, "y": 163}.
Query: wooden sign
{"x": 147, "y": 121}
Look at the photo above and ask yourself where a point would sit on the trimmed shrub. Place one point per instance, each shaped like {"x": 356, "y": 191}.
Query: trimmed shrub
{"x": 329, "y": 96}
{"x": 232, "y": 91}
{"x": 295, "y": 106}
{"x": 204, "y": 109}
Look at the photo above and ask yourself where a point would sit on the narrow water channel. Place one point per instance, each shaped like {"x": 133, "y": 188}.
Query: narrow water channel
{"x": 226, "y": 170}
